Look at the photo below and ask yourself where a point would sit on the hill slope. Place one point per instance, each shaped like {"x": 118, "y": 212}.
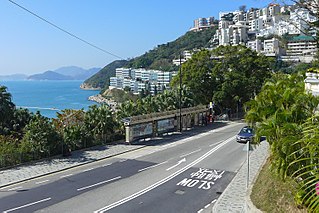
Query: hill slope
{"x": 159, "y": 58}
{"x": 102, "y": 78}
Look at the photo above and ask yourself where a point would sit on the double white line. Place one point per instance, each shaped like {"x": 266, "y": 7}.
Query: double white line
{"x": 137, "y": 194}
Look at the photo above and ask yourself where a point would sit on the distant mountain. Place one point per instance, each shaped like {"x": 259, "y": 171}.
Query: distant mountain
{"x": 14, "y": 77}
{"x": 77, "y": 73}
{"x": 49, "y": 75}
{"x": 66, "y": 73}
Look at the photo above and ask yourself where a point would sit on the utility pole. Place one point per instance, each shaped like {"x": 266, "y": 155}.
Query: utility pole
{"x": 180, "y": 93}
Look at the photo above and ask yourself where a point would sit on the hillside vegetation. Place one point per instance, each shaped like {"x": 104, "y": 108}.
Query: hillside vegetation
{"x": 158, "y": 58}
{"x": 102, "y": 78}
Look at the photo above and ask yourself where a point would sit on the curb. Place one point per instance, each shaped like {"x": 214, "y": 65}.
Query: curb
{"x": 245, "y": 205}
{"x": 250, "y": 205}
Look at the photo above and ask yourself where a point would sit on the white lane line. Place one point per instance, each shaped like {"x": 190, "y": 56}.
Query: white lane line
{"x": 123, "y": 160}
{"x": 200, "y": 211}
{"x": 213, "y": 201}
{"x": 168, "y": 178}
{"x": 198, "y": 150}
{"x": 27, "y": 205}
{"x": 42, "y": 181}
{"x": 86, "y": 170}
{"x": 64, "y": 176}
{"x": 15, "y": 188}
{"x": 152, "y": 166}
{"x": 207, "y": 206}
{"x": 99, "y": 183}
{"x": 106, "y": 164}
{"x": 214, "y": 144}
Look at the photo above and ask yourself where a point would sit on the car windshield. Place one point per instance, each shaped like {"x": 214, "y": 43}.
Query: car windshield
{"x": 247, "y": 130}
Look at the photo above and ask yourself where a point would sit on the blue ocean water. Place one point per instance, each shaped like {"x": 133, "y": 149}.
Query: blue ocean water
{"x": 49, "y": 97}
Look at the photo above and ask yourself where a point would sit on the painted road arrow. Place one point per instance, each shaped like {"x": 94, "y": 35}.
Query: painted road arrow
{"x": 179, "y": 162}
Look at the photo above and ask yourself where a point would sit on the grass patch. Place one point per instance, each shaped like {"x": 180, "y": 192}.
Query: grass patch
{"x": 271, "y": 194}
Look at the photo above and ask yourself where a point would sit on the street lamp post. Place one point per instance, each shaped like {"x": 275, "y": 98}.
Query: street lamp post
{"x": 180, "y": 93}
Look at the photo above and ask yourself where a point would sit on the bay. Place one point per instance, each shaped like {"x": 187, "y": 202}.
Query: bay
{"x": 49, "y": 97}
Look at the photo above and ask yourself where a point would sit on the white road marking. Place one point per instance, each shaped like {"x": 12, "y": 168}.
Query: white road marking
{"x": 99, "y": 183}
{"x": 27, "y": 205}
{"x": 216, "y": 143}
{"x": 152, "y": 166}
{"x": 42, "y": 181}
{"x": 86, "y": 170}
{"x": 207, "y": 206}
{"x": 64, "y": 176}
{"x": 200, "y": 211}
{"x": 15, "y": 188}
{"x": 179, "y": 162}
{"x": 168, "y": 178}
{"x": 198, "y": 150}
{"x": 123, "y": 160}
{"x": 213, "y": 201}
{"x": 106, "y": 164}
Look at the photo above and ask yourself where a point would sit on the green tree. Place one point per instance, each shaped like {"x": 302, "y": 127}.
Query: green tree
{"x": 21, "y": 117}
{"x": 240, "y": 73}
{"x": 6, "y": 110}
{"x": 197, "y": 76}
{"x": 41, "y": 137}
{"x": 278, "y": 111}
{"x": 71, "y": 126}
{"x": 305, "y": 164}
{"x": 228, "y": 75}
{"x": 101, "y": 122}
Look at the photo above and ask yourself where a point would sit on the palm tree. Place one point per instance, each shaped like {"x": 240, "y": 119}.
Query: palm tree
{"x": 280, "y": 112}
{"x": 6, "y": 109}
{"x": 305, "y": 164}
{"x": 101, "y": 122}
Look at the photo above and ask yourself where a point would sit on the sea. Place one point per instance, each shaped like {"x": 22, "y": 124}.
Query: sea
{"x": 49, "y": 97}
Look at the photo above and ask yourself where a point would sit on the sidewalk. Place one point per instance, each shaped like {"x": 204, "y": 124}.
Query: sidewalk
{"x": 236, "y": 197}
{"x": 45, "y": 167}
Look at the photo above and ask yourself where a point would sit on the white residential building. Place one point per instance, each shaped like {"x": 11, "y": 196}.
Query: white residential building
{"x": 255, "y": 45}
{"x": 240, "y": 27}
{"x": 271, "y": 47}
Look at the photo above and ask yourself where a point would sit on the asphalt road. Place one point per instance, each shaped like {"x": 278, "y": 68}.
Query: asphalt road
{"x": 183, "y": 174}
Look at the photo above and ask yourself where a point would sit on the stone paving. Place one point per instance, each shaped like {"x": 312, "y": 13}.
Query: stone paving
{"x": 41, "y": 168}
{"x": 235, "y": 197}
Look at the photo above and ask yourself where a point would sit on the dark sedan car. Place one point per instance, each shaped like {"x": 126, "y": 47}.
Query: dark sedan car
{"x": 245, "y": 134}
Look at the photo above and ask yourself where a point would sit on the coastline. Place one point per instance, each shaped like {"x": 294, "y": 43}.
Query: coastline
{"x": 101, "y": 100}
{"x": 85, "y": 86}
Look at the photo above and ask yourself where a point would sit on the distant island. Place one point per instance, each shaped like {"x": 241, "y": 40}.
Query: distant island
{"x": 66, "y": 73}
{"x": 63, "y": 73}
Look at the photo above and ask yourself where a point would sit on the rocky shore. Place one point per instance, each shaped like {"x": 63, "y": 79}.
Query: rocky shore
{"x": 101, "y": 100}
{"x": 86, "y": 86}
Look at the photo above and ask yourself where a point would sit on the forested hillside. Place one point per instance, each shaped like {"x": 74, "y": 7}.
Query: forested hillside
{"x": 159, "y": 58}
{"x": 102, "y": 78}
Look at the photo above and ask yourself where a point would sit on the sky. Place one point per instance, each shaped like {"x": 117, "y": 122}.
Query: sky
{"x": 125, "y": 28}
